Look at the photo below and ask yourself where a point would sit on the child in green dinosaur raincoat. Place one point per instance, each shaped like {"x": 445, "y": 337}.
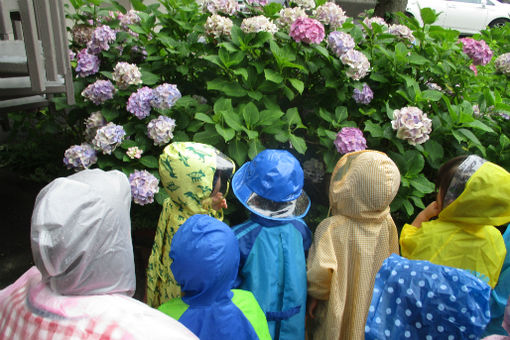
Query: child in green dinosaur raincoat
{"x": 195, "y": 176}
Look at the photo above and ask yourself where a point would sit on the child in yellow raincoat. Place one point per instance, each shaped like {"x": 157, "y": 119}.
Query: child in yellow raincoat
{"x": 473, "y": 197}
{"x": 195, "y": 176}
{"x": 350, "y": 246}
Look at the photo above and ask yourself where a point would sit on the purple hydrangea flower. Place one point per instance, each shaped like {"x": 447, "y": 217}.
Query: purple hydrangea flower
{"x": 165, "y": 96}
{"x": 502, "y": 64}
{"x": 350, "y": 139}
{"x": 79, "y": 157}
{"x": 72, "y": 55}
{"x": 477, "y": 50}
{"x": 330, "y": 14}
{"x": 99, "y": 92}
{"x": 139, "y": 103}
{"x": 101, "y": 37}
{"x": 130, "y": 18}
{"x": 143, "y": 187}
{"x": 402, "y": 32}
{"x": 504, "y": 115}
{"x": 340, "y": 42}
{"x": 307, "y": 30}
{"x": 108, "y": 138}
{"x": 358, "y": 64}
{"x": 134, "y": 152}
{"x": 160, "y": 130}
{"x": 92, "y": 123}
{"x": 412, "y": 125}
{"x": 363, "y": 96}
{"x": 88, "y": 64}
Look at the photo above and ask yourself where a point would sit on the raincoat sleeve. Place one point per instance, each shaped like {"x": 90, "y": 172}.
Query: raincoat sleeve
{"x": 321, "y": 263}
{"x": 408, "y": 239}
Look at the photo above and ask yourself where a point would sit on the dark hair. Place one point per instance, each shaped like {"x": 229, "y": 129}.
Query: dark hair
{"x": 446, "y": 172}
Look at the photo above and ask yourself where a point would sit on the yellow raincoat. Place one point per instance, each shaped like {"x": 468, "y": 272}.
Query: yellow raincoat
{"x": 350, "y": 246}
{"x": 187, "y": 170}
{"x": 463, "y": 235}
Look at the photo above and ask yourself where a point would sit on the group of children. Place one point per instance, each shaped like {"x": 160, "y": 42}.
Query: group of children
{"x": 268, "y": 277}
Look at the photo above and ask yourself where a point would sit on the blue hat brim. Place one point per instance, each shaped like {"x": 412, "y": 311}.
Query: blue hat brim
{"x": 243, "y": 193}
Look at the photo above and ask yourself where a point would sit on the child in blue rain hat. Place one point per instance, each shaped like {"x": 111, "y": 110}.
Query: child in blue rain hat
{"x": 424, "y": 301}
{"x": 273, "y": 242}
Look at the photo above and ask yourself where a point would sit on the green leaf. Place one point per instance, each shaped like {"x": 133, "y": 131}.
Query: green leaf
{"x": 232, "y": 119}
{"x": 324, "y": 114}
{"x": 149, "y": 161}
{"x": 422, "y": 184}
{"x": 213, "y": 58}
{"x": 250, "y": 133}
{"x": 236, "y": 34}
{"x": 149, "y": 78}
{"x": 297, "y": 84}
{"x": 293, "y": 118}
{"x": 322, "y": 50}
{"x": 428, "y": 15}
{"x": 255, "y": 95}
{"x": 203, "y": 117}
{"x": 107, "y": 74}
{"x": 271, "y": 9}
{"x": 250, "y": 115}
{"x": 110, "y": 114}
{"x": 241, "y": 72}
{"x": 298, "y": 143}
{"x": 208, "y": 136}
{"x": 230, "y": 59}
{"x": 229, "y": 88}
{"x": 408, "y": 207}
{"x": 432, "y": 95}
{"x": 160, "y": 196}
{"x": 226, "y": 133}
{"x": 417, "y": 59}
{"x": 378, "y": 77}
{"x": 476, "y": 124}
{"x": 434, "y": 150}
{"x": 504, "y": 141}
{"x": 268, "y": 117}
{"x": 255, "y": 148}
{"x": 416, "y": 162}
{"x": 138, "y": 5}
{"x": 273, "y": 76}
{"x": 238, "y": 150}
{"x": 127, "y": 143}
{"x": 374, "y": 129}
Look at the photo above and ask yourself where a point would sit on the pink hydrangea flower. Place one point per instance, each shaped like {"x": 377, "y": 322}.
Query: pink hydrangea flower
{"x": 350, "y": 139}
{"x": 307, "y": 30}
{"x": 477, "y": 50}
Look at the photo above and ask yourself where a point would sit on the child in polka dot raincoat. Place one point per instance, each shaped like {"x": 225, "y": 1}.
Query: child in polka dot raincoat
{"x": 423, "y": 301}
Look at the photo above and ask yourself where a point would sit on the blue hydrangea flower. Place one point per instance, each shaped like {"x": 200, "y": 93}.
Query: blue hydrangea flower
{"x": 363, "y": 96}
{"x": 99, "y": 92}
{"x": 340, "y": 42}
{"x": 160, "y": 130}
{"x": 165, "y": 96}
{"x": 87, "y": 64}
{"x": 108, "y": 138}
{"x": 79, "y": 157}
{"x": 101, "y": 37}
{"x": 139, "y": 103}
{"x": 143, "y": 187}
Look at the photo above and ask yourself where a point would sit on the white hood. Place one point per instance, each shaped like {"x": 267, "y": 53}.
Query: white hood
{"x": 81, "y": 234}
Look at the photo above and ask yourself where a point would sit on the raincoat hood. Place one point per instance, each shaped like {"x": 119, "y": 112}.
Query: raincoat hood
{"x": 363, "y": 184}
{"x": 81, "y": 234}
{"x": 485, "y": 199}
{"x": 205, "y": 257}
{"x": 187, "y": 170}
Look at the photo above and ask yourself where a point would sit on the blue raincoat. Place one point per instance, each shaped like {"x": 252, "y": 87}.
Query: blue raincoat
{"x": 205, "y": 257}
{"x": 424, "y": 301}
{"x": 273, "y": 268}
{"x": 500, "y": 293}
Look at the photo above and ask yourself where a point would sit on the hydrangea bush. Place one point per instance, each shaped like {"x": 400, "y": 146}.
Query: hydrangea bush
{"x": 305, "y": 78}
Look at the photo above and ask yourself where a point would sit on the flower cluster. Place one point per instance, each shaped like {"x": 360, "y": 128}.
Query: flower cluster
{"x": 412, "y": 125}
{"x": 258, "y": 24}
{"x": 130, "y": 18}
{"x": 82, "y": 34}
{"x": 350, "y": 139}
{"x": 164, "y": 96}
{"x": 402, "y": 32}
{"x": 258, "y": 3}
{"x": 101, "y": 37}
{"x": 160, "y": 130}
{"x": 108, "y": 138}
{"x": 92, "y": 123}
{"x": 126, "y": 74}
{"x": 143, "y": 187}
{"x": 477, "y": 50}
{"x": 375, "y": 20}
{"x": 363, "y": 96}
{"x": 313, "y": 170}
{"x": 134, "y": 152}
{"x": 330, "y": 14}
{"x": 139, "y": 102}
{"x": 340, "y": 42}
{"x": 99, "y": 91}
{"x": 306, "y": 4}
{"x": 502, "y": 63}
{"x": 307, "y": 30}
{"x": 79, "y": 157}
{"x": 358, "y": 64}
{"x": 216, "y": 26}
{"x": 289, "y": 15}
{"x": 87, "y": 64}
{"x": 229, "y": 7}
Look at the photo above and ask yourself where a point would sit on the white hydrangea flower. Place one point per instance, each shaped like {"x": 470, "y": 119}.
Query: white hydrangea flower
{"x": 306, "y": 4}
{"x": 402, "y": 32}
{"x": 411, "y": 125}
{"x": 330, "y": 14}
{"x": 289, "y": 15}
{"x": 358, "y": 64}
{"x": 258, "y": 24}
{"x": 217, "y": 26}
{"x": 126, "y": 74}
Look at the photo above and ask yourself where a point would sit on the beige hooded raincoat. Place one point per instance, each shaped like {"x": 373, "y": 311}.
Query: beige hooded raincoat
{"x": 350, "y": 246}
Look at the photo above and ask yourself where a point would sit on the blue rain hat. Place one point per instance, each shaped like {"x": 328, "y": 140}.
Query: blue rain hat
{"x": 272, "y": 186}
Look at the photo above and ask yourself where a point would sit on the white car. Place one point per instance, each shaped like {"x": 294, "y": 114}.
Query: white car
{"x": 465, "y": 16}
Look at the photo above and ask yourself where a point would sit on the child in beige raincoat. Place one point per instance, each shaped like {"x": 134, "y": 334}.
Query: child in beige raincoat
{"x": 350, "y": 246}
